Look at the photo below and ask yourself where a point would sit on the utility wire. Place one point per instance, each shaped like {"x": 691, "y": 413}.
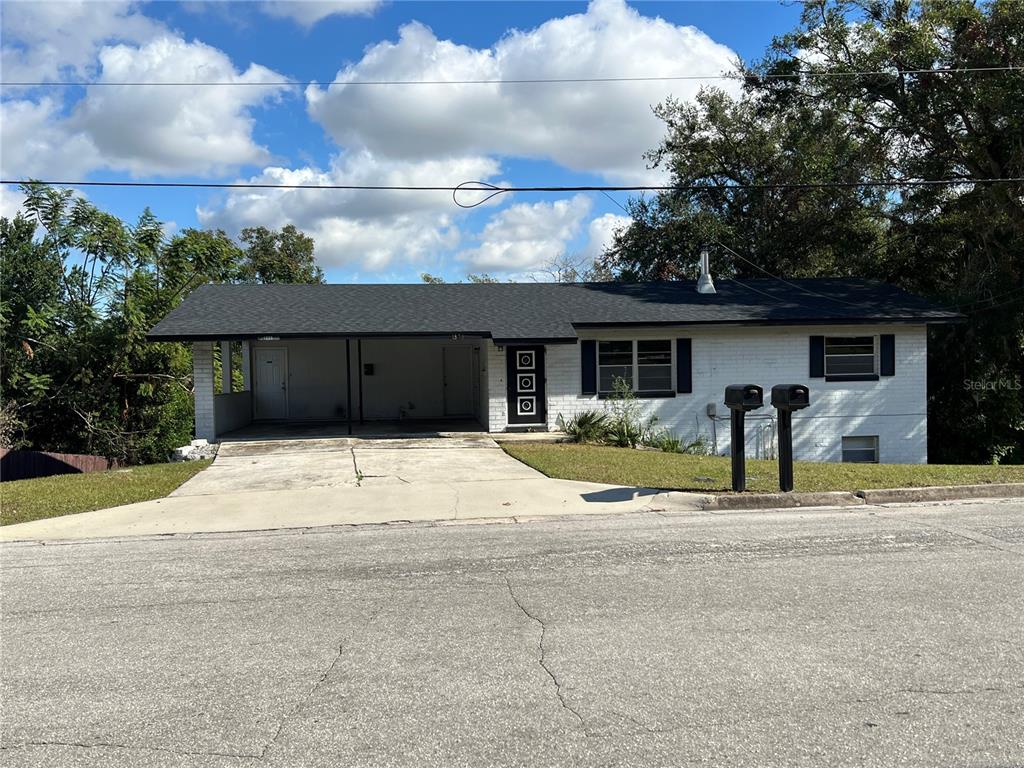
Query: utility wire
{"x": 804, "y": 73}
{"x": 624, "y": 208}
{"x": 771, "y": 296}
{"x": 786, "y": 282}
{"x": 492, "y": 190}
{"x": 996, "y": 306}
{"x": 962, "y": 307}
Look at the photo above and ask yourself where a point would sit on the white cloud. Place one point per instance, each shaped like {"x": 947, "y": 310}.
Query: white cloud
{"x": 58, "y": 40}
{"x": 601, "y": 232}
{"x": 11, "y": 201}
{"x": 36, "y": 142}
{"x": 599, "y": 127}
{"x": 307, "y": 13}
{"x": 174, "y": 129}
{"x": 142, "y": 130}
{"x": 368, "y": 230}
{"x": 527, "y": 236}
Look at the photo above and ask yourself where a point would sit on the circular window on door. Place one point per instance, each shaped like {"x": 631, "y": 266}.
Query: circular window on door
{"x": 526, "y": 406}
{"x": 527, "y": 382}
{"x": 525, "y": 360}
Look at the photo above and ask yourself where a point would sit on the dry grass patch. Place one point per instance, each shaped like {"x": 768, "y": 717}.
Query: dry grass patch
{"x": 24, "y": 500}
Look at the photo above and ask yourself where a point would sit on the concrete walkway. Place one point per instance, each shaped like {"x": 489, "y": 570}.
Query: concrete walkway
{"x": 347, "y": 481}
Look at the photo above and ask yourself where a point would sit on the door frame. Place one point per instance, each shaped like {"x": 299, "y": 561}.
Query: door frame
{"x": 540, "y": 418}
{"x": 287, "y": 387}
{"x": 470, "y": 410}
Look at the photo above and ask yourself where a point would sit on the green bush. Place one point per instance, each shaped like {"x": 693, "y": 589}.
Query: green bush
{"x": 669, "y": 442}
{"x": 666, "y": 441}
{"x": 626, "y": 426}
{"x": 585, "y": 427}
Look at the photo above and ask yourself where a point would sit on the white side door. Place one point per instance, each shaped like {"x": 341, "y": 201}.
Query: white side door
{"x": 271, "y": 368}
{"x": 458, "y": 381}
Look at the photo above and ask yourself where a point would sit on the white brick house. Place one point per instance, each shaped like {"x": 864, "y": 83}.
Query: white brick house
{"x": 499, "y": 357}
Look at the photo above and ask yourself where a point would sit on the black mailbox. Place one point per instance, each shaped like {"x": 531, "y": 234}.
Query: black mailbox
{"x": 740, "y": 398}
{"x": 792, "y": 397}
{"x": 787, "y": 398}
{"x": 744, "y": 397}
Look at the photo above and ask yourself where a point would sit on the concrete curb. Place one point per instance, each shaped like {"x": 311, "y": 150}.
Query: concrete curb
{"x": 752, "y": 501}
{"x": 784, "y": 500}
{"x": 942, "y": 493}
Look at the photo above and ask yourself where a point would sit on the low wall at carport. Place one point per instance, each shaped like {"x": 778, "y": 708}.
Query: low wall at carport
{"x": 231, "y": 411}
{"x": 25, "y": 465}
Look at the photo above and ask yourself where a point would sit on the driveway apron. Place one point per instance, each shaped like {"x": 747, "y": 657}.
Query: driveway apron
{"x": 273, "y": 465}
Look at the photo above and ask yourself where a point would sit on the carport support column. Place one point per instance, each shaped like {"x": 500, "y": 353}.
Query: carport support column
{"x": 202, "y": 383}
{"x": 225, "y": 367}
{"x": 246, "y": 366}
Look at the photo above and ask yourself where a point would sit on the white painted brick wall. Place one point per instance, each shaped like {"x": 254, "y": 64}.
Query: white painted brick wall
{"x": 892, "y": 408}
{"x": 497, "y": 395}
{"x": 202, "y": 380}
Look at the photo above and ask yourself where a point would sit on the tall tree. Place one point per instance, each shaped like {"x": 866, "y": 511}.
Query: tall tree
{"x": 79, "y": 289}
{"x": 870, "y": 90}
{"x": 278, "y": 257}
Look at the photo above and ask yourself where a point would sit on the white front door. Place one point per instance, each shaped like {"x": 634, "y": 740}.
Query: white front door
{"x": 458, "y": 381}
{"x": 271, "y": 364}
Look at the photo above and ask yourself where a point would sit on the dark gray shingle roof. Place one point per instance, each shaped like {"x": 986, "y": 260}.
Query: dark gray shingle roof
{"x": 510, "y": 311}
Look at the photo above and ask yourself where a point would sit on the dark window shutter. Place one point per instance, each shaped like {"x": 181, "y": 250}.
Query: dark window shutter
{"x": 588, "y": 367}
{"x": 817, "y": 357}
{"x": 684, "y": 365}
{"x": 887, "y": 354}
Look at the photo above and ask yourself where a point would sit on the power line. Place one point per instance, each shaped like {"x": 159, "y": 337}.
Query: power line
{"x": 995, "y": 306}
{"x": 771, "y": 296}
{"x": 491, "y": 190}
{"x": 805, "y": 73}
{"x": 487, "y": 187}
{"x": 961, "y": 307}
{"x": 787, "y": 282}
{"x": 624, "y": 208}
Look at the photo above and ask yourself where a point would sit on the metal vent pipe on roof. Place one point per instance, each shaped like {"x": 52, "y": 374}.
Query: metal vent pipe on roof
{"x": 705, "y": 283}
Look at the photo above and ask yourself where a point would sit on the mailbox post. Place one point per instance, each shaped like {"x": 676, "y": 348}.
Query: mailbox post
{"x": 787, "y": 398}
{"x": 740, "y": 398}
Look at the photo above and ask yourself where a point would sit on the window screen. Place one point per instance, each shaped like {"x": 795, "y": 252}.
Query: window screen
{"x": 614, "y": 359}
{"x": 654, "y": 365}
{"x": 850, "y": 356}
{"x": 860, "y": 449}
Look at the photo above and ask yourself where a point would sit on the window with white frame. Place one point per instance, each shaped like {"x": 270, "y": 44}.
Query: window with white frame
{"x": 646, "y": 365}
{"x": 851, "y": 356}
{"x": 860, "y": 449}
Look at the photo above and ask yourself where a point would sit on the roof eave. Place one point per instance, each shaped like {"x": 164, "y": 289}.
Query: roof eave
{"x": 914, "y": 320}
{"x": 163, "y": 337}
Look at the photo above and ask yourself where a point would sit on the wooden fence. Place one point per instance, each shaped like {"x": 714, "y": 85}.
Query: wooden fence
{"x": 22, "y": 465}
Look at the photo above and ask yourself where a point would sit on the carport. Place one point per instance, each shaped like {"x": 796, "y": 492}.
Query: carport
{"x": 287, "y": 388}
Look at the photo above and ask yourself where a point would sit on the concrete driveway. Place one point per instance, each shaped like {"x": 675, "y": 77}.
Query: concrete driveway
{"x": 274, "y": 465}
{"x": 280, "y": 484}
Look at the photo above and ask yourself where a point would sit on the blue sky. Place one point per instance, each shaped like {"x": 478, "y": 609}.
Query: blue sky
{"x": 551, "y": 134}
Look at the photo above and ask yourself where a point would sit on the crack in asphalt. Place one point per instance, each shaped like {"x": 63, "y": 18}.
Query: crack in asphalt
{"x": 303, "y": 702}
{"x": 951, "y": 692}
{"x": 542, "y": 660}
{"x": 136, "y": 747}
{"x": 968, "y": 534}
{"x": 312, "y": 691}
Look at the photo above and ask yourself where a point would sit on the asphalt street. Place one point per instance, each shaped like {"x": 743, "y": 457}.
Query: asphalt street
{"x": 878, "y": 636}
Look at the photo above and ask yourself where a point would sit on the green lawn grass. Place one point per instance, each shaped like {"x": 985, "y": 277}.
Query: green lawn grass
{"x": 24, "y": 500}
{"x": 654, "y": 469}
